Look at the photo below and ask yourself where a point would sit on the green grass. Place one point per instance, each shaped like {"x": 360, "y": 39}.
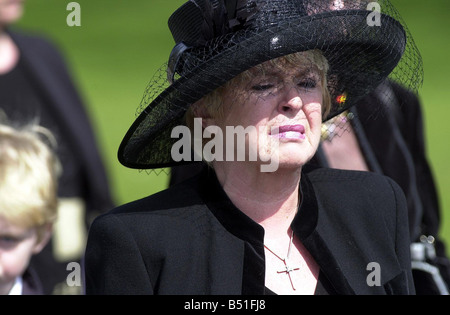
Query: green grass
{"x": 112, "y": 55}
{"x": 429, "y": 24}
{"x": 120, "y": 44}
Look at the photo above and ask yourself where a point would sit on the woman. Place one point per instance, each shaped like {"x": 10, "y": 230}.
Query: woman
{"x": 270, "y": 68}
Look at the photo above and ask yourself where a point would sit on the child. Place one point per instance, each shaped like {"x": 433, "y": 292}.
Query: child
{"x": 28, "y": 204}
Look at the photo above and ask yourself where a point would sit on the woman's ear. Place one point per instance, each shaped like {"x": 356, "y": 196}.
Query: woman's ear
{"x": 199, "y": 110}
{"x": 206, "y": 122}
{"x": 45, "y": 235}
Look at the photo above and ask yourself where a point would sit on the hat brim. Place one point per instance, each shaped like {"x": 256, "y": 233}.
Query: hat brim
{"x": 358, "y": 54}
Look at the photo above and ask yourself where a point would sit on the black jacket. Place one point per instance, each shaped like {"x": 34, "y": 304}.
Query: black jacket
{"x": 84, "y": 175}
{"x": 388, "y": 124}
{"x": 190, "y": 239}
{"x": 47, "y": 70}
{"x": 391, "y": 137}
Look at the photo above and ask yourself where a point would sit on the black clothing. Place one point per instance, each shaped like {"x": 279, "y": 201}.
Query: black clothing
{"x": 60, "y": 103}
{"x": 323, "y": 287}
{"x": 191, "y": 239}
{"x": 32, "y": 285}
{"x": 23, "y": 101}
{"x": 391, "y": 137}
{"x": 40, "y": 87}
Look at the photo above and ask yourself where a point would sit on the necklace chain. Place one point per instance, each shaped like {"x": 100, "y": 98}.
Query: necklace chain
{"x": 287, "y": 269}
{"x": 289, "y": 248}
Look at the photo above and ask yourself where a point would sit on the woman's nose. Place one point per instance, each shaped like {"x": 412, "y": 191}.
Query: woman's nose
{"x": 291, "y": 100}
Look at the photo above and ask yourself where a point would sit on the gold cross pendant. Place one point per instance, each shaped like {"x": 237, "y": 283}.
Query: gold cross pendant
{"x": 288, "y": 271}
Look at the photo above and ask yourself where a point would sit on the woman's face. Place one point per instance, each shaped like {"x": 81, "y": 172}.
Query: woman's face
{"x": 285, "y": 107}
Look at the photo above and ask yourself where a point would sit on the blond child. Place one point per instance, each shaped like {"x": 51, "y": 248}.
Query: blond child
{"x": 28, "y": 203}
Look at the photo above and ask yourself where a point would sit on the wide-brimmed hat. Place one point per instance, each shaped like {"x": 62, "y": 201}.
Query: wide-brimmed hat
{"x": 218, "y": 39}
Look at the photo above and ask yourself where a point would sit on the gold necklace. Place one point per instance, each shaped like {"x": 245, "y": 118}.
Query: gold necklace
{"x": 287, "y": 267}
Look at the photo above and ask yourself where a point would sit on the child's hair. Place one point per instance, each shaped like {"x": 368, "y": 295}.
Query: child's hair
{"x": 29, "y": 173}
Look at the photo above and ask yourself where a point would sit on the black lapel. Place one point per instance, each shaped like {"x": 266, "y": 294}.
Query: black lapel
{"x": 241, "y": 226}
{"x": 305, "y": 226}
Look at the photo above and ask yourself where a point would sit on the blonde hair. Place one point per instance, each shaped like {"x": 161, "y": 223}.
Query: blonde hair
{"x": 28, "y": 176}
{"x": 211, "y": 104}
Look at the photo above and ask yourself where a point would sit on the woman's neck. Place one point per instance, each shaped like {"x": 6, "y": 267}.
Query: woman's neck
{"x": 270, "y": 199}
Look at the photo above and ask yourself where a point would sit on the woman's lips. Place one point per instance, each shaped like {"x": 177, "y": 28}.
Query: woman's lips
{"x": 289, "y": 132}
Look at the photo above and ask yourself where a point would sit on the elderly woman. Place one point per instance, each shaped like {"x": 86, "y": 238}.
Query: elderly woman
{"x": 277, "y": 69}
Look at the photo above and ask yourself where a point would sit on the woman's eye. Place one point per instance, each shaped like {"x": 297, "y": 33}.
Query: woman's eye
{"x": 308, "y": 84}
{"x": 262, "y": 87}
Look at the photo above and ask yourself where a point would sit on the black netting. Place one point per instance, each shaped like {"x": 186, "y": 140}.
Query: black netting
{"x": 224, "y": 40}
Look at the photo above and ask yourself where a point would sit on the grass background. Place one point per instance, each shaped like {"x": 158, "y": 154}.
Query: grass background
{"x": 120, "y": 44}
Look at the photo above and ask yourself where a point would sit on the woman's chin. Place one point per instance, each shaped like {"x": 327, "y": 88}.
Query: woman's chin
{"x": 295, "y": 155}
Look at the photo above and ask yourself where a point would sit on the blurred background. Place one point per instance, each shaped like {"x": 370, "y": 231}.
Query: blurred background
{"x": 120, "y": 45}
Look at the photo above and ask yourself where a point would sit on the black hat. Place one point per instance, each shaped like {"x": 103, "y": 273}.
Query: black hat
{"x": 218, "y": 39}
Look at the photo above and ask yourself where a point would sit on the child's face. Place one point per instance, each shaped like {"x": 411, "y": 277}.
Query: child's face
{"x": 17, "y": 245}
